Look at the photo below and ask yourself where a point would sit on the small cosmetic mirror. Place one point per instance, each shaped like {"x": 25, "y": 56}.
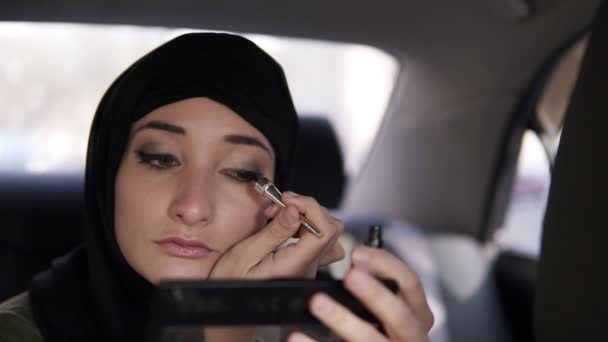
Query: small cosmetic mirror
{"x": 245, "y": 310}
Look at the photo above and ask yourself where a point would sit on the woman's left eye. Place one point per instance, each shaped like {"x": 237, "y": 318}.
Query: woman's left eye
{"x": 242, "y": 175}
{"x": 159, "y": 161}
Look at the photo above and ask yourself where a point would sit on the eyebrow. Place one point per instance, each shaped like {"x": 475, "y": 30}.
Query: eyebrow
{"x": 163, "y": 126}
{"x": 246, "y": 140}
{"x": 230, "y": 138}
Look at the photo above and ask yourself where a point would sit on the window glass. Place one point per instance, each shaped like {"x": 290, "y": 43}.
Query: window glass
{"x": 52, "y": 77}
{"x": 523, "y": 222}
{"x": 524, "y": 219}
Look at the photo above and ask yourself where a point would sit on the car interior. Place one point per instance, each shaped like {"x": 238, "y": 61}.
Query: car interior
{"x": 506, "y": 251}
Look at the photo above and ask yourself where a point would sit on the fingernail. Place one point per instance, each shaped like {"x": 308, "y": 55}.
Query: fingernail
{"x": 291, "y": 216}
{"x": 297, "y": 337}
{"x": 361, "y": 255}
{"x": 321, "y": 303}
{"x": 357, "y": 279}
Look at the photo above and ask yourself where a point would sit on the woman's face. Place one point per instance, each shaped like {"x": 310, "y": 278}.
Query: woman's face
{"x": 181, "y": 200}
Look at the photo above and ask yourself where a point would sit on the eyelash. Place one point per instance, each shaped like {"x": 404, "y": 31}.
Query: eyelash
{"x": 158, "y": 161}
{"x": 242, "y": 175}
{"x": 164, "y": 161}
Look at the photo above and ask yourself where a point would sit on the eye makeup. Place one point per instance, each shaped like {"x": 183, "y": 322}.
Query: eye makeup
{"x": 157, "y": 160}
{"x": 242, "y": 174}
{"x": 248, "y": 175}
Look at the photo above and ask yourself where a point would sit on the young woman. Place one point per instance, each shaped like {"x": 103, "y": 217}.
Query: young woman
{"x": 167, "y": 198}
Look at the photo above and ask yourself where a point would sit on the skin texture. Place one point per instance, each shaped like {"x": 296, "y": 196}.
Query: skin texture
{"x": 405, "y": 316}
{"x": 179, "y": 178}
{"x": 186, "y": 184}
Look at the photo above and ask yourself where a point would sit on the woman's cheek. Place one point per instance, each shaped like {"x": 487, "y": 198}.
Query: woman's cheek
{"x": 126, "y": 220}
{"x": 247, "y": 225}
{"x": 136, "y": 210}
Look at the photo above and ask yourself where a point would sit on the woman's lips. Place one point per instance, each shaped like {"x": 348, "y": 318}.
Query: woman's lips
{"x": 182, "y": 248}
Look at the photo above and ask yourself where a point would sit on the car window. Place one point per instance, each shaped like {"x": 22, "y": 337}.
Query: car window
{"x": 524, "y": 218}
{"x": 522, "y": 227}
{"x": 53, "y": 75}
{"x": 553, "y": 102}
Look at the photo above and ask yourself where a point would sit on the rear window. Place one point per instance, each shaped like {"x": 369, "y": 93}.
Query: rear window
{"x": 52, "y": 77}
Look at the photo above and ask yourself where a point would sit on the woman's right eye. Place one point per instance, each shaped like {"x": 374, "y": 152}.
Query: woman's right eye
{"x": 160, "y": 161}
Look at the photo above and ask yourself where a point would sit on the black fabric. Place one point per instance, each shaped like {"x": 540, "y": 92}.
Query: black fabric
{"x": 42, "y": 218}
{"x": 93, "y": 294}
{"x": 516, "y": 276}
{"x": 572, "y": 300}
{"x": 43, "y": 214}
{"x": 318, "y": 165}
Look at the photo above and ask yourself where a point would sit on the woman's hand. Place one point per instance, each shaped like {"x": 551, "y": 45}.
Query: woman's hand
{"x": 405, "y": 316}
{"x": 255, "y": 256}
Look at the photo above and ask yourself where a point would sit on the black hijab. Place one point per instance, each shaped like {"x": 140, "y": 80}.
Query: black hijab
{"x": 92, "y": 294}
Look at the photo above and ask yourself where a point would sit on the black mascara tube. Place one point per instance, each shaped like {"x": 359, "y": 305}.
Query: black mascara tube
{"x": 374, "y": 236}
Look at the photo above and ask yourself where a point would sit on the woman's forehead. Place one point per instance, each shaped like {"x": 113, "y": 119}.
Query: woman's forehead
{"x": 202, "y": 116}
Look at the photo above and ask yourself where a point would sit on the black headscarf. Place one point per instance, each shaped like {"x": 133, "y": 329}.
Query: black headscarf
{"x": 92, "y": 294}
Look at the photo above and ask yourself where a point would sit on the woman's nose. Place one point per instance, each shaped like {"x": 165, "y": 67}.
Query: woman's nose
{"x": 193, "y": 202}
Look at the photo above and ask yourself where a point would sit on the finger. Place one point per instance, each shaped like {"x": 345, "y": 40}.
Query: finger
{"x": 287, "y": 261}
{"x": 333, "y": 250}
{"x": 309, "y": 207}
{"x": 309, "y": 250}
{"x": 264, "y": 242}
{"x": 272, "y": 211}
{"x": 299, "y": 337}
{"x": 332, "y": 220}
{"x": 336, "y": 253}
{"x": 385, "y": 265}
{"x": 329, "y": 226}
{"x": 341, "y": 321}
{"x": 398, "y": 319}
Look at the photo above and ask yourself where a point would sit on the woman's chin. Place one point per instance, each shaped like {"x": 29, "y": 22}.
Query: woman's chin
{"x": 176, "y": 276}
{"x": 180, "y": 273}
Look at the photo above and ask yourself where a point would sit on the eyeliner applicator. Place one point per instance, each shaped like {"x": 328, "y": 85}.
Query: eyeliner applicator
{"x": 269, "y": 190}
